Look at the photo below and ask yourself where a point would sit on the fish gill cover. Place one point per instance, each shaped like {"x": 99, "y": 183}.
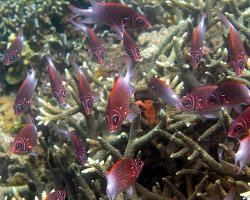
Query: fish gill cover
{"x": 178, "y": 75}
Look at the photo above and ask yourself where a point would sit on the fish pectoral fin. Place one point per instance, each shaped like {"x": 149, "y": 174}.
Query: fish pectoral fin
{"x": 130, "y": 116}
{"x": 96, "y": 99}
{"x": 238, "y": 108}
{"x": 211, "y": 116}
{"x": 129, "y": 191}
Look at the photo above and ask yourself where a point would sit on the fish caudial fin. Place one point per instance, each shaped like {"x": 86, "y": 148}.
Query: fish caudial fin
{"x": 130, "y": 73}
{"x": 129, "y": 192}
{"x": 202, "y": 20}
{"x": 211, "y": 116}
{"x": 109, "y": 194}
{"x": 223, "y": 18}
{"x": 93, "y": 2}
{"x": 78, "y": 26}
{"x": 80, "y": 12}
{"x": 119, "y": 30}
{"x": 20, "y": 33}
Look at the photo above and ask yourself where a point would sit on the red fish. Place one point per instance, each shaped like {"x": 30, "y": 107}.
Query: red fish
{"x": 95, "y": 43}
{"x": 14, "y": 52}
{"x": 85, "y": 94}
{"x": 121, "y": 177}
{"x": 79, "y": 148}
{"x": 162, "y": 90}
{"x": 197, "y": 45}
{"x": 241, "y": 125}
{"x": 237, "y": 55}
{"x": 25, "y": 94}
{"x": 115, "y": 15}
{"x": 229, "y": 94}
{"x": 243, "y": 153}
{"x": 130, "y": 47}
{"x": 57, "y": 195}
{"x": 56, "y": 83}
{"x": 230, "y": 195}
{"x": 118, "y": 108}
{"x": 25, "y": 141}
{"x": 196, "y": 101}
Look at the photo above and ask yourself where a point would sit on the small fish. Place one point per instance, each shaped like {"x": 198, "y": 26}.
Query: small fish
{"x": 243, "y": 153}
{"x": 162, "y": 90}
{"x": 95, "y": 43}
{"x": 241, "y": 125}
{"x": 80, "y": 150}
{"x": 130, "y": 47}
{"x": 56, "y": 83}
{"x": 25, "y": 141}
{"x": 25, "y": 94}
{"x": 121, "y": 177}
{"x": 118, "y": 108}
{"x": 14, "y": 51}
{"x": 237, "y": 55}
{"x": 197, "y": 45}
{"x": 115, "y": 15}
{"x": 196, "y": 101}
{"x": 85, "y": 94}
{"x": 57, "y": 195}
{"x": 229, "y": 94}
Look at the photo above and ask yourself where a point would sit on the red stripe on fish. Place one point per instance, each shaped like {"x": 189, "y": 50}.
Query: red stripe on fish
{"x": 195, "y": 34}
{"x": 57, "y": 195}
{"x": 51, "y": 72}
{"x": 80, "y": 78}
{"x": 232, "y": 35}
{"x": 92, "y": 34}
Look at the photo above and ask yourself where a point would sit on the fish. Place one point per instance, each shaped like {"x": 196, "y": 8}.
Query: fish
{"x": 230, "y": 195}
{"x": 197, "y": 44}
{"x": 163, "y": 91}
{"x": 58, "y": 89}
{"x": 196, "y": 101}
{"x": 80, "y": 150}
{"x": 57, "y": 195}
{"x": 130, "y": 47}
{"x": 237, "y": 56}
{"x": 230, "y": 95}
{"x": 121, "y": 177}
{"x": 15, "y": 49}
{"x": 115, "y": 15}
{"x": 25, "y": 141}
{"x": 85, "y": 94}
{"x": 95, "y": 43}
{"x": 241, "y": 125}
{"x": 118, "y": 108}
{"x": 243, "y": 153}
{"x": 25, "y": 94}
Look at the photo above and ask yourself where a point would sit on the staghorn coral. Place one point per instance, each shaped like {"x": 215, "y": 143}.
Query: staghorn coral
{"x": 179, "y": 152}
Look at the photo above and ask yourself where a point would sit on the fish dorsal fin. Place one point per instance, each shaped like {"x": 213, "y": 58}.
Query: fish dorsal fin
{"x": 112, "y": 91}
{"x": 93, "y": 2}
{"x": 115, "y": 166}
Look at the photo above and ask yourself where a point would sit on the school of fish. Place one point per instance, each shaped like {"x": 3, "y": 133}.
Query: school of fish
{"x": 206, "y": 100}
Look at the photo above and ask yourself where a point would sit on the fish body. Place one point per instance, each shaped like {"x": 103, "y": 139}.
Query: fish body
{"x": 80, "y": 150}
{"x": 229, "y": 94}
{"x": 121, "y": 177}
{"x": 243, "y": 153}
{"x": 197, "y": 44}
{"x": 25, "y": 141}
{"x": 162, "y": 90}
{"x": 58, "y": 89}
{"x": 241, "y": 125}
{"x": 57, "y": 195}
{"x": 230, "y": 195}
{"x": 196, "y": 101}
{"x": 118, "y": 108}
{"x": 130, "y": 47}
{"x": 115, "y": 15}
{"x": 85, "y": 94}
{"x": 95, "y": 43}
{"x": 14, "y": 51}
{"x": 25, "y": 94}
{"x": 237, "y": 55}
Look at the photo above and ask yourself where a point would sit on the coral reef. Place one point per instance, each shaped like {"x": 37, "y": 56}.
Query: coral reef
{"x": 185, "y": 155}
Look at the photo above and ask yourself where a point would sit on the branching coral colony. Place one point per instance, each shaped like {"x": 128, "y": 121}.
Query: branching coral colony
{"x": 185, "y": 155}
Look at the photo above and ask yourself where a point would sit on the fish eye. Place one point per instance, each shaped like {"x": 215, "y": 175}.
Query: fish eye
{"x": 242, "y": 65}
{"x": 19, "y": 146}
{"x": 130, "y": 53}
{"x": 55, "y": 95}
{"x": 139, "y": 22}
{"x": 139, "y": 163}
{"x": 116, "y": 120}
{"x": 138, "y": 51}
{"x": 102, "y": 54}
{"x": 198, "y": 58}
{"x": 187, "y": 103}
{"x": 20, "y": 108}
{"x": 63, "y": 93}
{"x": 238, "y": 129}
{"x": 212, "y": 100}
{"x": 63, "y": 194}
{"x": 90, "y": 103}
{"x": 13, "y": 57}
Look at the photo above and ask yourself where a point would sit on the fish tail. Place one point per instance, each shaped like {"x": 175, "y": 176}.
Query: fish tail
{"x": 74, "y": 64}
{"x": 80, "y": 12}
{"x": 223, "y": 18}
{"x": 130, "y": 73}
{"x": 78, "y": 26}
{"x": 20, "y": 33}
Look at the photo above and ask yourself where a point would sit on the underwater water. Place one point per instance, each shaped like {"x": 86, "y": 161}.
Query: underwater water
{"x": 124, "y": 99}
